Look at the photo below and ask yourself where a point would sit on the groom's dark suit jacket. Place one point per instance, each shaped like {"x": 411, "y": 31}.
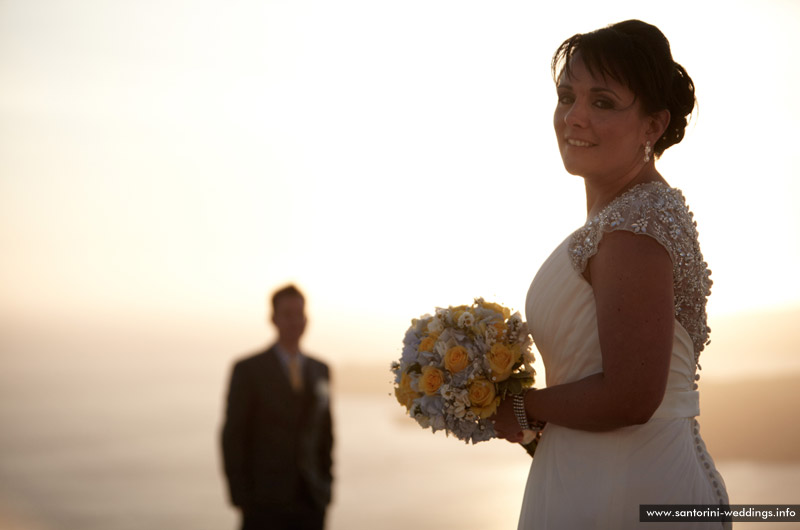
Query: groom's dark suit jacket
{"x": 275, "y": 441}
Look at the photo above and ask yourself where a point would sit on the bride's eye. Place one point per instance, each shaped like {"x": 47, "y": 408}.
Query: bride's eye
{"x": 605, "y": 104}
{"x": 565, "y": 98}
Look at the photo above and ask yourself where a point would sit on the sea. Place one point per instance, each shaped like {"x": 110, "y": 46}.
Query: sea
{"x": 139, "y": 451}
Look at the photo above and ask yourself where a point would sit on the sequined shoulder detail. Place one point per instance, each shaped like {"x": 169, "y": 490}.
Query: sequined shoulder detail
{"x": 660, "y": 212}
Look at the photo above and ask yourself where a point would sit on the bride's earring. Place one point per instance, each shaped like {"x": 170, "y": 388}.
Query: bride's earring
{"x": 647, "y": 151}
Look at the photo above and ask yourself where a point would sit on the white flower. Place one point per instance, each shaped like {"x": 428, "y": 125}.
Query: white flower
{"x": 466, "y": 320}
{"x": 322, "y": 390}
{"x": 457, "y": 409}
{"x": 491, "y": 335}
{"x": 435, "y": 325}
{"x": 527, "y": 357}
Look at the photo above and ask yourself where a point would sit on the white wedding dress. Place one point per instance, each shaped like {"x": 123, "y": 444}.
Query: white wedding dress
{"x": 597, "y": 480}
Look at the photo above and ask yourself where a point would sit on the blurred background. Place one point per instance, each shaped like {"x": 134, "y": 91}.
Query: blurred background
{"x": 165, "y": 164}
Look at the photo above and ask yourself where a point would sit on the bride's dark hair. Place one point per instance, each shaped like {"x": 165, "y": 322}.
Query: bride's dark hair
{"x": 637, "y": 55}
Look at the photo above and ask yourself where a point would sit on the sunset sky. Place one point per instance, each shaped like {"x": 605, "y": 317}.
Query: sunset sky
{"x": 165, "y": 164}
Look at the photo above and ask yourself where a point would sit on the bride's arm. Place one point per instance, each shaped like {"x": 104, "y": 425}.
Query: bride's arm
{"x": 631, "y": 276}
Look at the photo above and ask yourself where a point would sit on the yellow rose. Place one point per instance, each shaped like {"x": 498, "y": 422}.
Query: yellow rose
{"x": 456, "y": 312}
{"x": 483, "y": 397}
{"x": 404, "y": 393}
{"x": 497, "y": 308}
{"x": 501, "y": 360}
{"x": 431, "y": 379}
{"x": 456, "y": 359}
{"x": 427, "y": 343}
{"x": 500, "y": 327}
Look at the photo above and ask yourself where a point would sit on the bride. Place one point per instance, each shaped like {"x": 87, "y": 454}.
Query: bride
{"x": 618, "y": 310}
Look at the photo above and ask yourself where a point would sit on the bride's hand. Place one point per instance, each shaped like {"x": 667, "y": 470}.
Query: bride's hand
{"x": 505, "y": 422}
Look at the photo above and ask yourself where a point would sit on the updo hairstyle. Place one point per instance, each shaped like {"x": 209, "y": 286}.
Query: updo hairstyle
{"x": 637, "y": 55}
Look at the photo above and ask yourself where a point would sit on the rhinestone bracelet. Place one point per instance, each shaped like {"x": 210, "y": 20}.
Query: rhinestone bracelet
{"x": 522, "y": 416}
{"x": 519, "y": 412}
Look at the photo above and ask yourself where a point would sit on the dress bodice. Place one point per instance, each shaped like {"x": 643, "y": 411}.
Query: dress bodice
{"x": 656, "y": 210}
{"x": 561, "y": 310}
{"x": 569, "y": 345}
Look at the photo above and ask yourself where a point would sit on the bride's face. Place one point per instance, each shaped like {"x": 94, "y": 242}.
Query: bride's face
{"x": 599, "y": 124}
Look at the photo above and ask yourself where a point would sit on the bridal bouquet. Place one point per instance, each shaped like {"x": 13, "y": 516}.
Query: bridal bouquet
{"x": 458, "y": 364}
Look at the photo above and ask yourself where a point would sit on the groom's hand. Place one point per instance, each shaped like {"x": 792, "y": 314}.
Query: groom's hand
{"x": 505, "y": 422}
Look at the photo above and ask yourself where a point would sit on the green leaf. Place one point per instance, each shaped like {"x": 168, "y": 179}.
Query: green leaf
{"x": 415, "y": 368}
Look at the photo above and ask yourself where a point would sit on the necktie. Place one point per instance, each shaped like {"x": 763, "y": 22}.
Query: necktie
{"x": 295, "y": 377}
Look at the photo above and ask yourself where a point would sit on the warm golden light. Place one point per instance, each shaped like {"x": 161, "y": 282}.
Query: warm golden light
{"x": 164, "y": 165}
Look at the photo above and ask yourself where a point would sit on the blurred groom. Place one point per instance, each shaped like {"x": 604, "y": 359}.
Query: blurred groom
{"x": 277, "y": 437}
